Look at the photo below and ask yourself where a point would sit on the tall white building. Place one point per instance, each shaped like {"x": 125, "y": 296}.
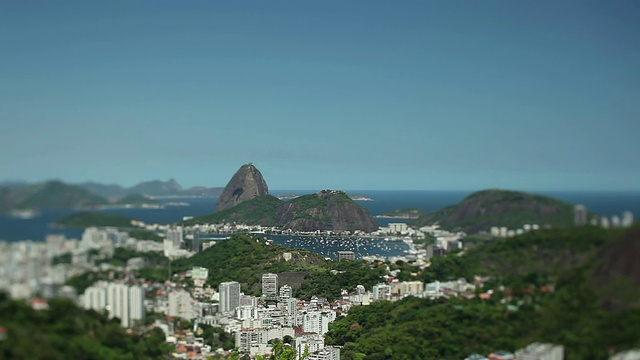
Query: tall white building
{"x": 119, "y": 300}
{"x": 229, "y": 296}
{"x": 270, "y": 286}
{"x": 136, "y": 304}
{"x": 181, "y": 304}
{"x": 95, "y": 298}
{"x": 285, "y": 292}
{"x": 317, "y": 322}
{"x": 176, "y": 237}
{"x": 93, "y": 238}
{"x": 580, "y": 215}
{"x": 627, "y": 219}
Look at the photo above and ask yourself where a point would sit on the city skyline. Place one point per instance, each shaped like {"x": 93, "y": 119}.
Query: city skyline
{"x": 362, "y": 95}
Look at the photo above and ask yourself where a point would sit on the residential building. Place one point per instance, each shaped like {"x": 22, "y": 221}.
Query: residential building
{"x": 195, "y": 244}
{"x": 199, "y": 276}
{"x": 579, "y": 215}
{"x": 381, "y": 292}
{"x": 285, "y": 292}
{"x": 119, "y": 300}
{"x": 326, "y": 353}
{"x": 538, "y": 351}
{"x": 180, "y": 304}
{"x": 136, "y": 304}
{"x": 270, "y": 286}
{"x": 310, "y": 342}
{"x": 346, "y": 256}
{"x": 627, "y": 219}
{"x": 229, "y": 296}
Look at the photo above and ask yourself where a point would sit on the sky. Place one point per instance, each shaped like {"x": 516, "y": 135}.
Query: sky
{"x": 370, "y": 95}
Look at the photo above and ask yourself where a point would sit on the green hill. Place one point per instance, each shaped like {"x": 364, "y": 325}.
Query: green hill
{"x": 484, "y": 209}
{"x": 244, "y": 259}
{"x": 49, "y": 195}
{"x": 257, "y": 211}
{"x": 88, "y": 219}
{"x": 325, "y": 210}
{"x": 554, "y": 293}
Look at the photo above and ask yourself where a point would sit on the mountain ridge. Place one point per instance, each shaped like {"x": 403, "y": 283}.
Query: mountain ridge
{"x": 495, "y": 207}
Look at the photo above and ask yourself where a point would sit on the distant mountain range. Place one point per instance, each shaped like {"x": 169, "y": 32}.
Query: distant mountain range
{"x": 155, "y": 188}
{"x": 56, "y": 194}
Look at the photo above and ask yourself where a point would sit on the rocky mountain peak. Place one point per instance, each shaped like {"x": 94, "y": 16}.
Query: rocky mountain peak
{"x": 247, "y": 183}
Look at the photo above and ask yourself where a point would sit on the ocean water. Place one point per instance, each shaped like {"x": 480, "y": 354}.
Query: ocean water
{"x": 36, "y": 228}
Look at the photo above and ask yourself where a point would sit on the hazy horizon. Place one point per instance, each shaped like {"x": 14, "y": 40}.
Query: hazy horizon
{"x": 308, "y": 189}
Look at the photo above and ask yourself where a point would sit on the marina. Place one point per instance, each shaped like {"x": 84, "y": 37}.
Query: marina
{"x": 328, "y": 246}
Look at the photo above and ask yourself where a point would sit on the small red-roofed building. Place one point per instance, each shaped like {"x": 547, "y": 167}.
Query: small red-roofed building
{"x": 3, "y": 333}
{"x": 39, "y": 304}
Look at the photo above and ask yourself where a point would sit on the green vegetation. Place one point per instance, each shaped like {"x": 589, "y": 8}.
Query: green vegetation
{"x": 137, "y": 200}
{"x": 216, "y": 337}
{"x": 316, "y": 206}
{"x": 98, "y": 219}
{"x": 258, "y": 211}
{"x": 68, "y": 332}
{"x": 326, "y": 210}
{"x": 61, "y": 259}
{"x": 244, "y": 259}
{"x": 481, "y": 210}
{"x": 121, "y": 255}
{"x": 335, "y": 276}
{"x": 547, "y": 254}
{"x": 144, "y": 235}
{"x": 453, "y": 329}
{"x": 573, "y": 315}
{"x": 82, "y": 281}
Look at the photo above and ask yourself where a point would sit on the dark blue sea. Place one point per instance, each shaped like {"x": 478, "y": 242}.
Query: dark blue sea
{"x": 36, "y": 228}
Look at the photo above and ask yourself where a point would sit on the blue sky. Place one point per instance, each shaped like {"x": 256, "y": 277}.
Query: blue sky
{"x": 434, "y": 95}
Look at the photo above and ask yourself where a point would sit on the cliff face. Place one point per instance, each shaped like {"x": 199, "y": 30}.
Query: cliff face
{"x": 617, "y": 271}
{"x": 246, "y": 184}
{"x": 326, "y": 210}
